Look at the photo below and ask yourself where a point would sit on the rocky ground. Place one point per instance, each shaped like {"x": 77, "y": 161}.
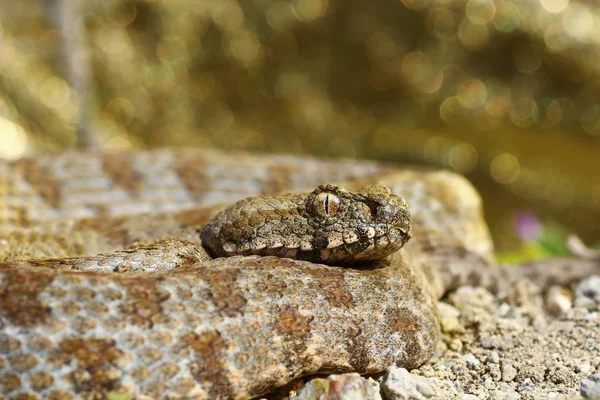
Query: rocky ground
{"x": 524, "y": 344}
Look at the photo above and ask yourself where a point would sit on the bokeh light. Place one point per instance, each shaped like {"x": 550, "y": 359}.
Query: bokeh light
{"x": 13, "y": 140}
{"x": 506, "y": 92}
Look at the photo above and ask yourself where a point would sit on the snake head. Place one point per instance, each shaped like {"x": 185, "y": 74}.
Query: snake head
{"x": 360, "y": 226}
{"x": 331, "y": 225}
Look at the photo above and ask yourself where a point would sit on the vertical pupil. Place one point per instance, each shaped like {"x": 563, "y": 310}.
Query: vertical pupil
{"x": 326, "y": 205}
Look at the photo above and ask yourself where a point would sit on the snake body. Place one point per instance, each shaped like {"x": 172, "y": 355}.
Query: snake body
{"x": 178, "y": 323}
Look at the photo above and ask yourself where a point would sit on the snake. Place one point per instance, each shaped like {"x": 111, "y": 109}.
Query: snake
{"x": 200, "y": 274}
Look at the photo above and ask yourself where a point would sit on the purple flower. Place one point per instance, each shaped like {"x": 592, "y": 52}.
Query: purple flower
{"x": 527, "y": 226}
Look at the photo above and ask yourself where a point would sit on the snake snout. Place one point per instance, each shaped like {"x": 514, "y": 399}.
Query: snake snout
{"x": 405, "y": 229}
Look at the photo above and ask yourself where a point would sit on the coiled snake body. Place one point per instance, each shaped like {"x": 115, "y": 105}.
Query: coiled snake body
{"x": 105, "y": 287}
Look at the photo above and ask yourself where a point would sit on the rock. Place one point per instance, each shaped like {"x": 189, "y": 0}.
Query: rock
{"x": 590, "y": 387}
{"x": 584, "y": 367}
{"x": 399, "y": 384}
{"x": 471, "y": 361}
{"x": 467, "y": 297}
{"x": 526, "y": 385}
{"x": 558, "y": 300}
{"x": 524, "y": 294}
{"x": 446, "y": 310}
{"x": 494, "y": 372}
{"x": 504, "y": 395}
{"x": 509, "y": 372}
{"x": 350, "y": 386}
{"x": 494, "y": 358}
{"x": 449, "y": 319}
{"x": 589, "y": 288}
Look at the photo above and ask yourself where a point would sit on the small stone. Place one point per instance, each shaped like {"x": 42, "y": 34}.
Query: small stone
{"x": 469, "y": 397}
{"x": 590, "y": 387}
{"x": 456, "y": 345}
{"x": 524, "y": 293}
{"x": 583, "y": 368}
{"x": 399, "y": 384}
{"x": 493, "y": 358}
{"x": 526, "y": 385}
{"x": 467, "y": 297}
{"x": 504, "y": 395}
{"x": 350, "y": 386}
{"x": 489, "y": 343}
{"x": 589, "y": 288}
{"x": 471, "y": 361}
{"x": 449, "y": 319}
{"x": 446, "y": 310}
{"x": 539, "y": 322}
{"x": 507, "y": 311}
{"x": 509, "y": 372}
{"x": 494, "y": 371}
{"x": 558, "y": 300}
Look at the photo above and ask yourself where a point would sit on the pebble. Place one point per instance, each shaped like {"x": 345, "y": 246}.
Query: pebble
{"x": 589, "y": 288}
{"x": 590, "y": 387}
{"x": 504, "y": 395}
{"x": 509, "y": 372}
{"x": 467, "y": 297}
{"x": 489, "y": 343}
{"x": 558, "y": 300}
{"x": 583, "y": 368}
{"x": 350, "y": 386}
{"x": 449, "y": 319}
{"x": 494, "y": 371}
{"x": 456, "y": 345}
{"x": 493, "y": 358}
{"x": 471, "y": 361}
{"x": 399, "y": 384}
{"x": 506, "y": 311}
{"x": 446, "y": 310}
{"x": 526, "y": 385}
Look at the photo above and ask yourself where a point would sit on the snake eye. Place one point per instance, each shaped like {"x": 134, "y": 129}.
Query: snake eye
{"x": 326, "y": 204}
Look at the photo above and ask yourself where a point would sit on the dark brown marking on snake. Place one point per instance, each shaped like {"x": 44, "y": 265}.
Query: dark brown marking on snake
{"x": 111, "y": 227}
{"x": 296, "y": 329}
{"x": 19, "y": 292}
{"x": 41, "y": 380}
{"x": 122, "y": 171}
{"x": 208, "y": 369}
{"x": 273, "y": 286}
{"x": 57, "y": 394}
{"x": 359, "y": 358}
{"x": 23, "y": 362}
{"x": 331, "y": 284}
{"x": 144, "y": 304}
{"x": 40, "y": 178}
{"x": 224, "y": 291}
{"x": 278, "y": 177}
{"x": 407, "y": 324}
{"x": 190, "y": 172}
{"x": 9, "y": 382}
{"x": 291, "y": 323}
{"x": 97, "y": 365}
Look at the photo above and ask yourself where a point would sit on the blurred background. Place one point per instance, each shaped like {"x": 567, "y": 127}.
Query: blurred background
{"x": 505, "y": 92}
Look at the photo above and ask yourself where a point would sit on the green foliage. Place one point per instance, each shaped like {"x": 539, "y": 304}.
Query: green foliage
{"x": 550, "y": 243}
